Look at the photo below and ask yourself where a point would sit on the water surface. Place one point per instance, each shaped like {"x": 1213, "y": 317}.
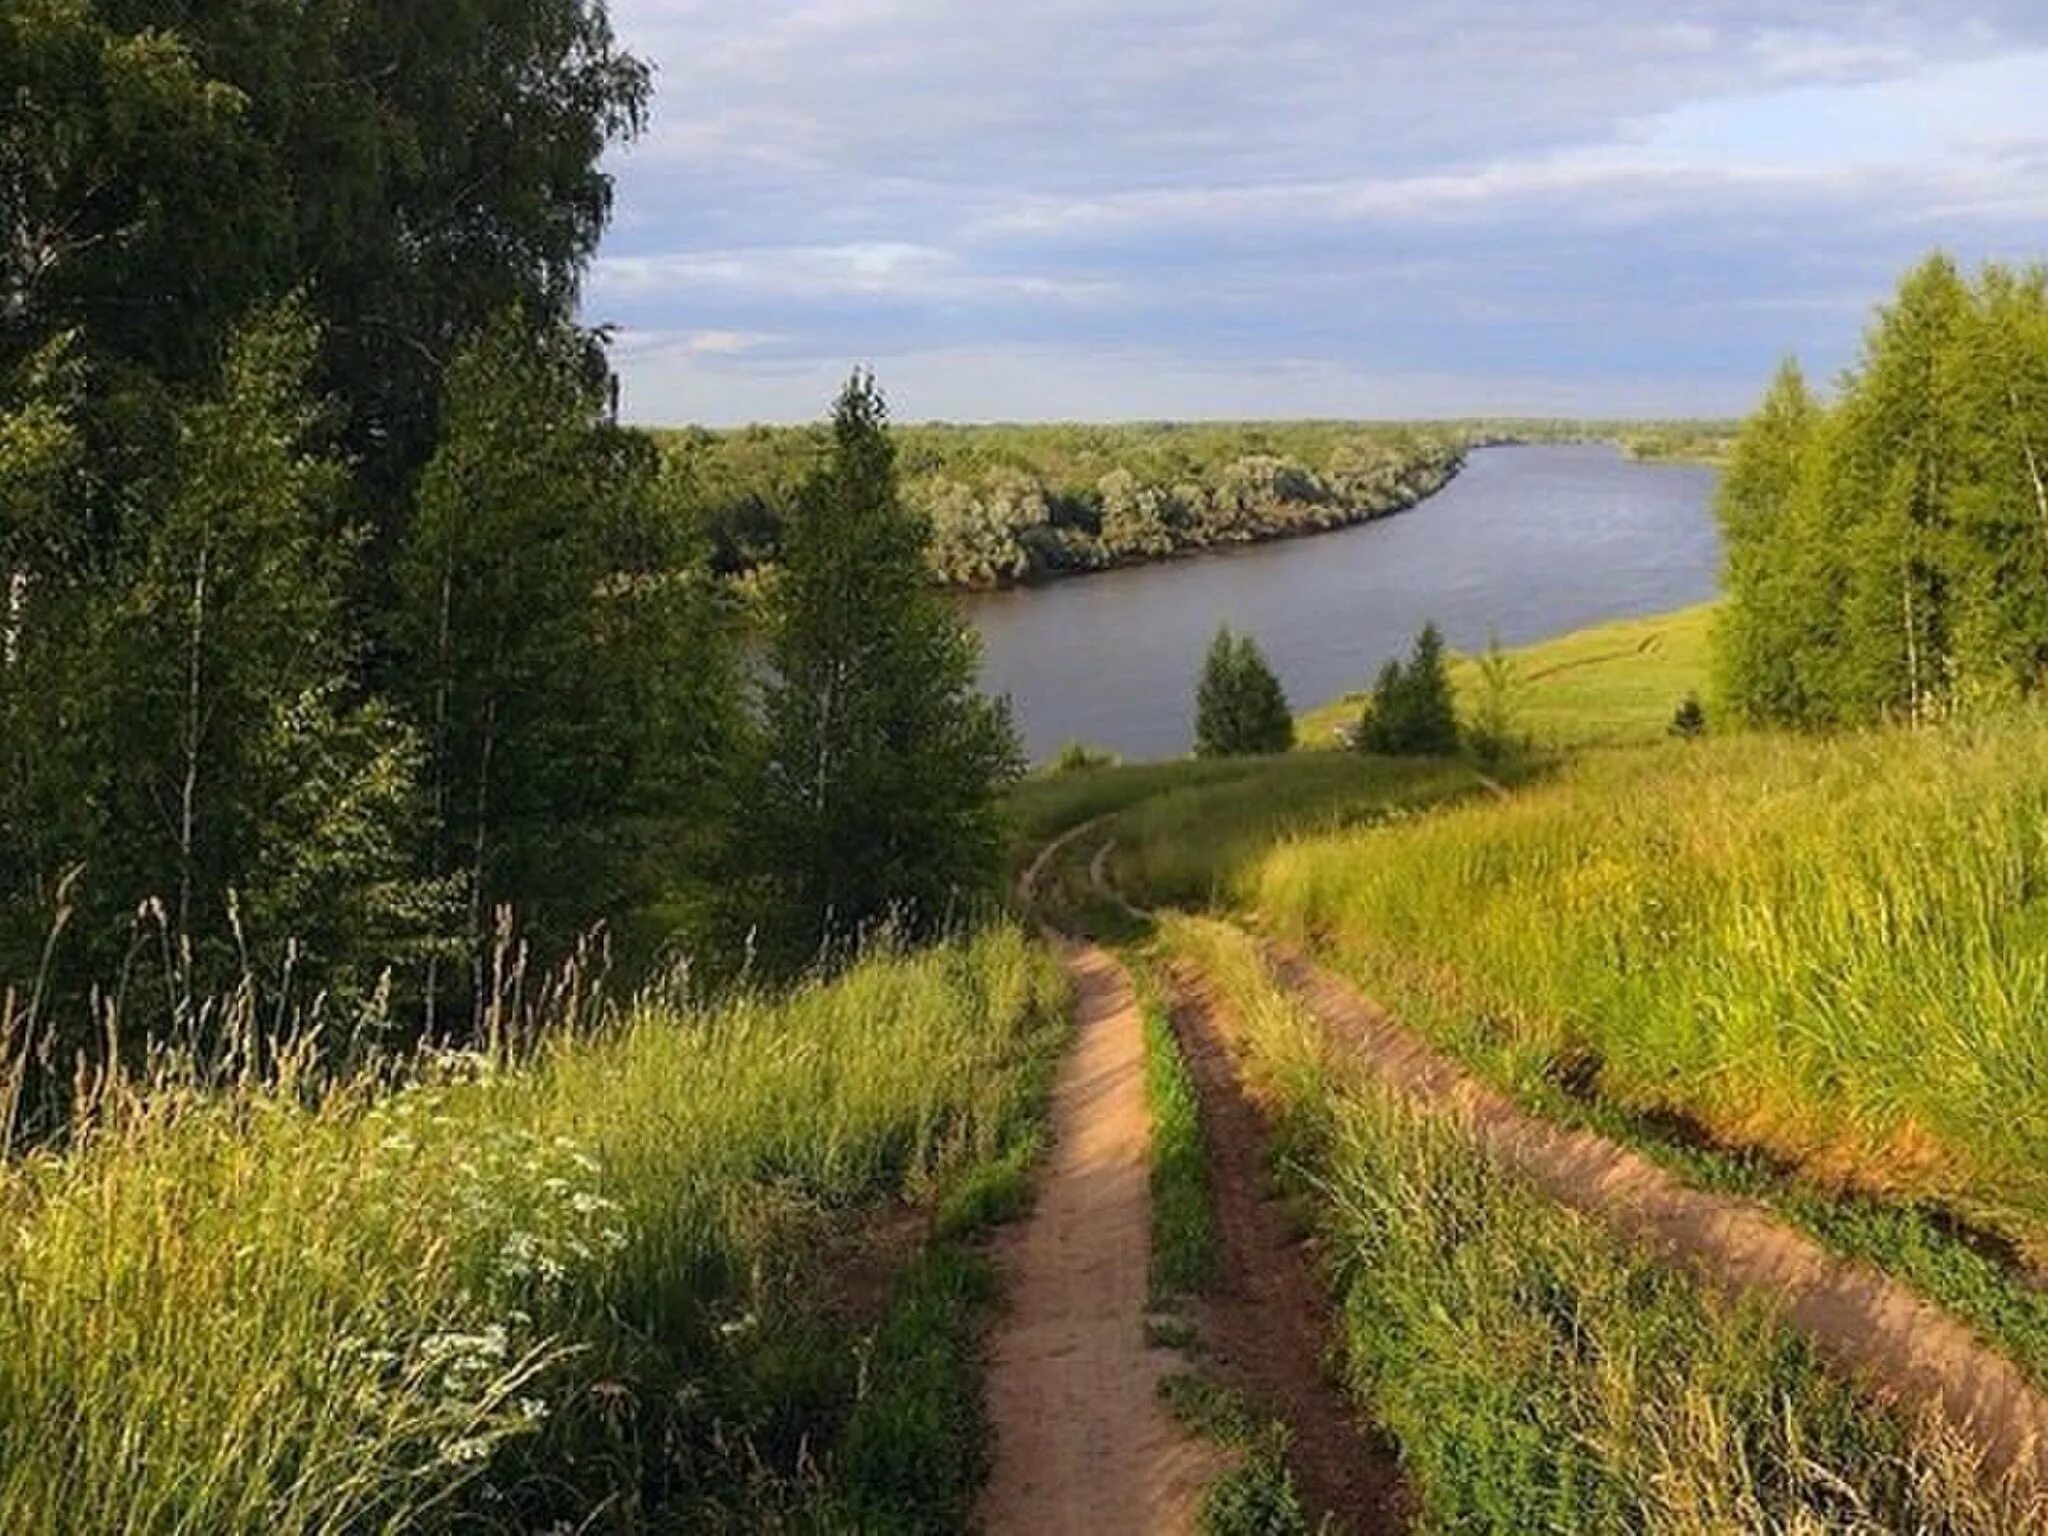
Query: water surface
{"x": 1528, "y": 542}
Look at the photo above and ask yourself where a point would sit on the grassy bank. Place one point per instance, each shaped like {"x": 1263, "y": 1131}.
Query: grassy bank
{"x": 1537, "y": 1375}
{"x": 624, "y": 1278}
{"x": 1604, "y": 686}
{"x": 1828, "y": 949}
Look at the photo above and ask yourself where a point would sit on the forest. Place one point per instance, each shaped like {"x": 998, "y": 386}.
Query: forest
{"x": 1888, "y": 548}
{"x": 1008, "y": 504}
{"x": 358, "y": 669}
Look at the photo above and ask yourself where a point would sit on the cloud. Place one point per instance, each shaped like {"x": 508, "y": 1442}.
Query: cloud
{"x": 1487, "y": 189}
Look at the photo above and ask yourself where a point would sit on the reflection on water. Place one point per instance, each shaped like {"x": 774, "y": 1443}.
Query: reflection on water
{"x": 1530, "y": 542}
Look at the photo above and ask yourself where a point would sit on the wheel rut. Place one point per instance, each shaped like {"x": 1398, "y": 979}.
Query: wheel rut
{"x": 1901, "y": 1345}
{"x": 1264, "y": 1322}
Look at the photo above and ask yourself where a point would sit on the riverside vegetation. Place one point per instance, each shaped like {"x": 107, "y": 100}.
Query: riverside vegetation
{"x": 368, "y": 696}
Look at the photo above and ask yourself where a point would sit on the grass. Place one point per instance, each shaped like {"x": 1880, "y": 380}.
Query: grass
{"x": 1535, "y": 1373}
{"x": 1183, "y": 1226}
{"x": 496, "y": 1297}
{"x": 1195, "y": 828}
{"x": 1609, "y": 685}
{"x": 1830, "y": 950}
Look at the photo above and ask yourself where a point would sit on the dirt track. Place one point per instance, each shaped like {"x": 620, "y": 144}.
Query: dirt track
{"x": 1082, "y": 1444}
{"x": 1264, "y": 1322}
{"x": 1870, "y": 1323}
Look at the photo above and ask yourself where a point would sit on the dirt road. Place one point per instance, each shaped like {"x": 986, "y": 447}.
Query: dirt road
{"x": 1082, "y": 1444}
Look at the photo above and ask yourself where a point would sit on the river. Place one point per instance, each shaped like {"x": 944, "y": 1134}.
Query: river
{"x": 1527, "y": 542}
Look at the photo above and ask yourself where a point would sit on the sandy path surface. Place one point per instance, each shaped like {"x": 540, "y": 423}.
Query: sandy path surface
{"x": 1870, "y": 1323}
{"x": 1082, "y": 1445}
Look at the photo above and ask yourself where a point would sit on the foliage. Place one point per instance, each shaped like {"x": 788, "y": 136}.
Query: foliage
{"x": 1079, "y": 757}
{"x": 1240, "y": 708}
{"x": 1412, "y": 713}
{"x": 1532, "y": 1370}
{"x": 1009, "y": 504}
{"x": 1888, "y": 555}
{"x": 504, "y": 1295}
{"x": 411, "y": 170}
{"x": 1493, "y": 729}
{"x": 568, "y": 672}
{"x": 224, "y": 767}
{"x": 875, "y": 798}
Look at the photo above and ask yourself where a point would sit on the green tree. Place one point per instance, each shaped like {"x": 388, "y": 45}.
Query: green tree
{"x": 1412, "y": 712}
{"x": 1240, "y": 707}
{"x": 561, "y": 658}
{"x": 249, "y": 786}
{"x": 880, "y": 760}
{"x": 1763, "y": 629}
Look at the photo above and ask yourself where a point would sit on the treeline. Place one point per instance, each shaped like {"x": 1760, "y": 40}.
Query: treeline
{"x": 354, "y": 664}
{"x": 1009, "y": 503}
{"x": 1887, "y": 553}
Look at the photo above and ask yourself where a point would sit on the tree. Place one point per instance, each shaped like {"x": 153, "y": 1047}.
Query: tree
{"x": 250, "y": 786}
{"x": 1240, "y": 707}
{"x": 875, "y": 790}
{"x": 1493, "y": 730}
{"x": 1760, "y": 630}
{"x": 562, "y": 659}
{"x": 1412, "y": 712}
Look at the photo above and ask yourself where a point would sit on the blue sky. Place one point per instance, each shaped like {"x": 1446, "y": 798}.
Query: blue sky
{"x": 1115, "y": 209}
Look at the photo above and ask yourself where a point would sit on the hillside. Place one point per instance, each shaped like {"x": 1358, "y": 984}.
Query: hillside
{"x": 1610, "y": 684}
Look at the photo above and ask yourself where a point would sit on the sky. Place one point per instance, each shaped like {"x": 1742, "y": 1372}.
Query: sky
{"x": 1147, "y": 209}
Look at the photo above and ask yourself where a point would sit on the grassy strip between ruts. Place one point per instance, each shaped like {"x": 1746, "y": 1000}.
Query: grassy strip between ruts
{"x": 598, "y": 1286}
{"x": 1536, "y": 1374}
{"x": 1183, "y": 1224}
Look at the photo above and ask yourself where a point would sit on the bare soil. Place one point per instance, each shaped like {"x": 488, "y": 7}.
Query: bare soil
{"x": 1082, "y": 1443}
{"x": 1264, "y": 1322}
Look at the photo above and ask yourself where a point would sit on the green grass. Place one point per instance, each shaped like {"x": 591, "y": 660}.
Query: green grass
{"x": 1535, "y": 1373}
{"x": 1185, "y": 830}
{"x": 497, "y": 1297}
{"x": 1183, "y": 1227}
{"x": 1612, "y": 684}
{"x": 1831, "y": 950}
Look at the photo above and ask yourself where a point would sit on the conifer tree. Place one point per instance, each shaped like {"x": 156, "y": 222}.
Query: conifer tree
{"x": 875, "y": 790}
{"x": 1412, "y": 712}
{"x": 1240, "y": 707}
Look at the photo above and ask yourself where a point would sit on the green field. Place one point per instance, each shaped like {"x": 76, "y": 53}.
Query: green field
{"x": 1611, "y": 684}
{"x": 499, "y": 1296}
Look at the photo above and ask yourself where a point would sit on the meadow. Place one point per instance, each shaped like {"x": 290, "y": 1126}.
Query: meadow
{"x": 700, "y": 1267}
{"x": 1610, "y": 685}
{"x": 1831, "y": 950}
{"x": 1534, "y": 1372}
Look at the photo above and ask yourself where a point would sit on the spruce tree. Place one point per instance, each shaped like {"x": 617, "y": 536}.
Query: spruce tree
{"x": 874, "y": 797}
{"x": 1240, "y": 707}
{"x": 1413, "y": 712}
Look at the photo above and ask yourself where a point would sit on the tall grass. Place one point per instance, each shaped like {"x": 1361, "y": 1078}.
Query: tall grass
{"x": 1535, "y": 1373}
{"x": 1193, "y": 839}
{"x": 590, "y": 1284}
{"x": 1836, "y": 950}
